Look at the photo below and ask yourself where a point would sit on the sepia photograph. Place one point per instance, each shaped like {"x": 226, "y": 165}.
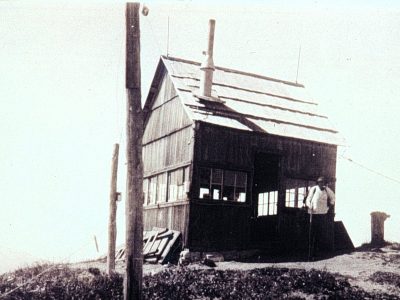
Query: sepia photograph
{"x": 200, "y": 149}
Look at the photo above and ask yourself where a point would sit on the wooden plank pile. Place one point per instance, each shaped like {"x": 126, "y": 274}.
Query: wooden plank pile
{"x": 159, "y": 245}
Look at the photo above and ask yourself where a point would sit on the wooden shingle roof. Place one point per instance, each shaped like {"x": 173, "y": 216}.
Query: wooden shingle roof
{"x": 251, "y": 102}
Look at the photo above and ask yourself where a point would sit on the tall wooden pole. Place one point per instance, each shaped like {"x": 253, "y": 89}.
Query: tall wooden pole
{"x": 112, "y": 227}
{"x": 134, "y": 134}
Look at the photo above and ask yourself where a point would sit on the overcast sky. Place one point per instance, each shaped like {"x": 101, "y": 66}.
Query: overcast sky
{"x": 63, "y": 102}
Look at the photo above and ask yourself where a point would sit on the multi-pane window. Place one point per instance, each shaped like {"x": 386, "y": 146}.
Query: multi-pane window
{"x": 267, "y": 203}
{"x": 166, "y": 187}
{"x": 218, "y": 184}
{"x": 178, "y": 184}
{"x": 296, "y": 192}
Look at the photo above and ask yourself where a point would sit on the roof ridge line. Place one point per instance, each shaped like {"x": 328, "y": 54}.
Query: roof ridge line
{"x": 235, "y": 71}
{"x": 248, "y": 90}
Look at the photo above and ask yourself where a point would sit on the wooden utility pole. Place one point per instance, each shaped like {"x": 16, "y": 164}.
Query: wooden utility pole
{"x": 112, "y": 226}
{"x": 134, "y": 134}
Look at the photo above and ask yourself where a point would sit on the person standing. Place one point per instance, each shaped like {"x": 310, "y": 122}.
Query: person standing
{"x": 320, "y": 202}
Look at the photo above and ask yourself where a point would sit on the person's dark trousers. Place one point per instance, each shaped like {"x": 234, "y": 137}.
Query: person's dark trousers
{"x": 321, "y": 235}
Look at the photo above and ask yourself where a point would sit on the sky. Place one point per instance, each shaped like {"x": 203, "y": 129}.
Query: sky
{"x": 62, "y": 101}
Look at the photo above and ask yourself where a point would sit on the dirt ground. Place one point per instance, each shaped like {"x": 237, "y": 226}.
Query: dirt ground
{"x": 357, "y": 267}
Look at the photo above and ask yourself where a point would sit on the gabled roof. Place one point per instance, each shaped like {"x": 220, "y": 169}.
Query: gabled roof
{"x": 250, "y": 102}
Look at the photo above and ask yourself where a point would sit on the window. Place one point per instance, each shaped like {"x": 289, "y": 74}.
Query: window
{"x": 168, "y": 186}
{"x": 296, "y": 191}
{"x": 216, "y": 183}
{"x": 240, "y": 186}
{"x": 226, "y": 185}
{"x": 161, "y": 188}
{"x": 267, "y": 203}
{"x": 152, "y": 190}
{"x": 291, "y": 199}
{"x": 205, "y": 175}
{"x": 178, "y": 184}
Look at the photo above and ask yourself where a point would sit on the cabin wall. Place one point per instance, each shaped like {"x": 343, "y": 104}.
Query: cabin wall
{"x": 167, "y": 155}
{"x": 236, "y": 149}
{"x": 217, "y": 224}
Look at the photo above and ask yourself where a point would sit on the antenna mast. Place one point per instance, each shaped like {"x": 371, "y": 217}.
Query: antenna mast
{"x": 168, "y": 36}
{"x": 298, "y": 63}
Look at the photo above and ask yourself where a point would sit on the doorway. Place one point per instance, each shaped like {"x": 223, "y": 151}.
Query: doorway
{"x": 265, "y": 197}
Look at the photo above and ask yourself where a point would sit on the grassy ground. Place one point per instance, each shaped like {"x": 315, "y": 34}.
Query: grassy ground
{"x": 64, "y": 282}
{"x": 365, "y": 274}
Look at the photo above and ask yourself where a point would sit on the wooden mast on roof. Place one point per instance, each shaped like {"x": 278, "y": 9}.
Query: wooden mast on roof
{"x": 134, "y": 134}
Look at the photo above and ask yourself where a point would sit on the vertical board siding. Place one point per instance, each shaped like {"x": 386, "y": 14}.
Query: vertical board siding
{"x": 166, "y": 91}
{"x": 165, "y": 119}
{"x": 171, "y": 217}
{"x": 168, "y": 151}
{"x": 168, "y": 134}
{"x": 302, "y": 159}
{"x": 216, "y": 226}
{"x": 167, "y": 113}
{"x": 167, "y": 142}
{"x": 219, "y": 227}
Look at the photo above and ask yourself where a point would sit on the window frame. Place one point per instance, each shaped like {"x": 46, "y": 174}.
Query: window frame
{"x": 156, "y": 187}
{"x": 212, "y": 185}
{"x": 268, "y": 203}
{"x": 299, "y": 183}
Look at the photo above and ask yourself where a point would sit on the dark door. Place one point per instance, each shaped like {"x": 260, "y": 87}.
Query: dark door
{"x": 265, "y": 198}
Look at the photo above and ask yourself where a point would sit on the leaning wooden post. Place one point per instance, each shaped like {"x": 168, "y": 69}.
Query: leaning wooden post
{"x": 134, "y": 134}
{"x": 112, "y": 227}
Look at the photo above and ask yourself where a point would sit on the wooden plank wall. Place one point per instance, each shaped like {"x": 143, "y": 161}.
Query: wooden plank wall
{"x": 168, "y": 132}
{"x": 169, "y": 216}
{"x": 167, "y": 145}
{"x": 215, "y": 227}
{"x": 168, "y": 152}
{"x": 211, "y": 225}
{"x": 234, "y": 148}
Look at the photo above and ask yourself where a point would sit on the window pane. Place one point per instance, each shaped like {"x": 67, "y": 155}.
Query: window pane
{"x": 216, "y": 193}
{"x": 161, "y": 188}
{"x": 216, "y": 176}
{"x": 228, "y": 193}
{"x": 172, "y": 187}
{"x": 153, "y": 190}
{"x": 179, "y": 176}
{"x": 216, "y": 183}
{"x": 241, "y": 179}
{"x": 145, "y": 191}
{"x": 181, "y": 192}
{"x": 186, "y": 182}
{"x": 205, "y": 175}
{"x": 240, "y": 194}
{"x": 229, "y": 186}
{"x": 204, "y": 193}
{"x": 290, "y": 197}
{"x": 260, "y": 209}
{"x": 302, "y": 191}
{"x": 229, "y": 178}
{"x": 267, "y": 203}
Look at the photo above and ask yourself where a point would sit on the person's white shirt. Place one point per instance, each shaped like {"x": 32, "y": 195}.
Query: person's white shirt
{"x": 317, "y": 200}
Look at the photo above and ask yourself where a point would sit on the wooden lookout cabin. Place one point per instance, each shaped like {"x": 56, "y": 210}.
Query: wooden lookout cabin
{"x": 229, "y": 156}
